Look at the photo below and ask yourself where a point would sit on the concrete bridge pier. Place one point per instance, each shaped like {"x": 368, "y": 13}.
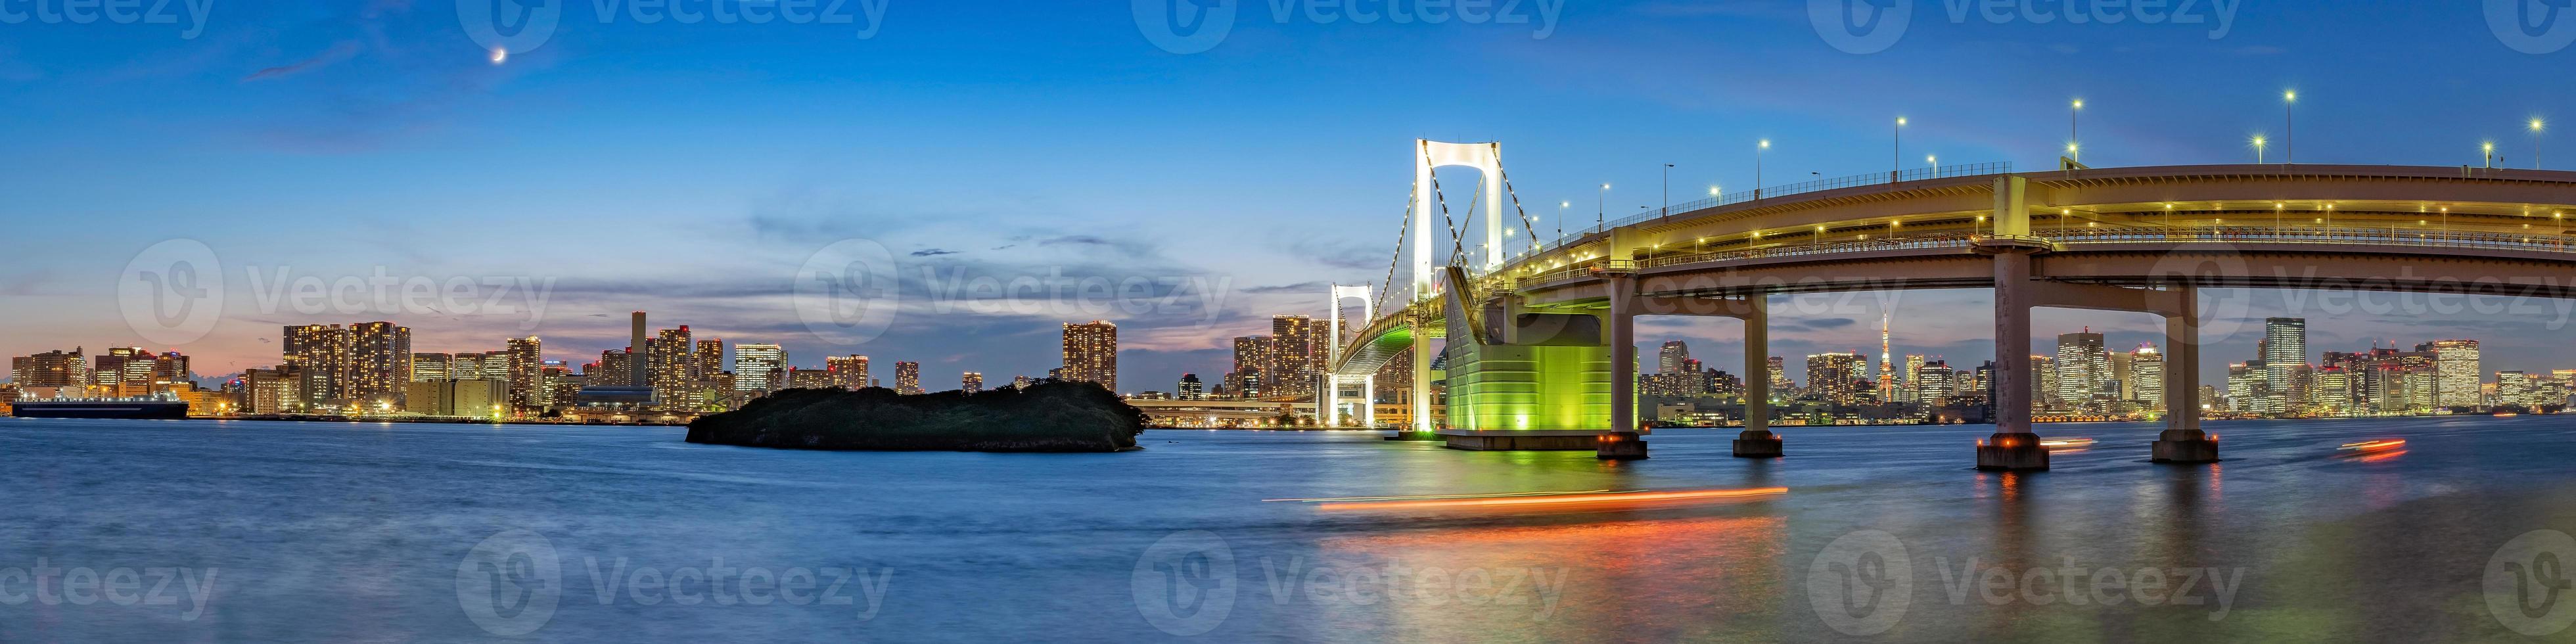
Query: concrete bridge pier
{"x": 1757, "y": 441}
{"x": 1622, "y": 442}
{"x": 2013, "y": 447}
{"x": 2182, "y": 440}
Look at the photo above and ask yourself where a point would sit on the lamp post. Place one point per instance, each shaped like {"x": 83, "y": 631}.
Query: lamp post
{"x": 1757, "y": 168}
{"x": 1560, "y": 219}
{"x": 2538, "y": 126}
{"x": 1601, "y": 209}
{"x": 2258, "y": 149}
{"x": 2289, "y": 119}
{"x": 1668, "y": 190}
{"x": 1896, "y": 160}
{"x": 2073, "y": 142}
{"x": 2489, "y": 147}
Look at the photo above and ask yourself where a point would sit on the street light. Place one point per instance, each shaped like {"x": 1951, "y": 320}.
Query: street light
{"x": 2259, "y": 142}
{"x": 1757, "y": 168}
{"x": 2489, "y": 147}
{"x": 2538, "y": 126}
{"x": 1896, "y": 161}
{"x": 1560, "y": 219}
{"x": 1668, "y": 190}
{"x": 2290, "y": 99}
{"x": 1601, "y": 208}
{"x": 2071, "y": 138}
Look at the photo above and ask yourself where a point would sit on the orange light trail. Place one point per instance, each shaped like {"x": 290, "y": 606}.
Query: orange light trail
{"x": 1445, "y": 496}
{"x": 1563, "y": 501}
{"x": 2055, "y": 443}
{"x": 2373, "y": 446}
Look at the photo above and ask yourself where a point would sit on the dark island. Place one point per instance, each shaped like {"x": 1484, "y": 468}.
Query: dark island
{"x": 1045, "y": 417}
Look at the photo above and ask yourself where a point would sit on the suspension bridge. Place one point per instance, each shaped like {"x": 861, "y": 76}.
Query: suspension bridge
{"x": 1539, "y": 344}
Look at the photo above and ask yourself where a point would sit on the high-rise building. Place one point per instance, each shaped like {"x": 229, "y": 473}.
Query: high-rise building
{"x": 615, "y": 367}
{"x": 2284, "y": 350}
{"x": 272, "y": 391}
{"x": 671, "y": 367}
{"x": 2456, "y": 365}
{"x": 1673, "y": 358}
{"x": 2330, "y": 392}
{"x": 2083, "y": 371}
{"x": 1190, "y": 387}
{"x": 1836, "y": 377}
{"x": 848, "y": 372}
{"x": 527, "y": 372}
{"x": 320, "y": 355}
{"x": 2147, "y": 376}
{"x": 1021, "y": 382}
{"x": 972, "y": 382}
{"x": 907, "y": 378}
{"x": 1932, "y": 382}
{"x": 1292, "y": 361}
{"x": 1780, "y": 384}
{"x": 759, "y": 367}
{"x": 2516, "y": 389}
{"x": 638, "y": 342}
{"x": 1252, "y": 357}
{"x": 50, "y": 369}
{"x": 426, "y": 367}
{"x": 2244, "y": 385}
{"x": 379, "y": 362}
{"x": 708, "y": 359}
{"x": 1091, "y": 353}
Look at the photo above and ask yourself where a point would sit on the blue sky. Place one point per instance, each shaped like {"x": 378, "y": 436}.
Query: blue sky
{"x": 690, "y": 169}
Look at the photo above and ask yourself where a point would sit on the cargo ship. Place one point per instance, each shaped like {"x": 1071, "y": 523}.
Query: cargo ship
{"x": 161, "y": 406}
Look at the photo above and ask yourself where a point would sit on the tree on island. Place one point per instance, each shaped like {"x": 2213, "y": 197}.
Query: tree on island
{"x": 1050, "y": 416}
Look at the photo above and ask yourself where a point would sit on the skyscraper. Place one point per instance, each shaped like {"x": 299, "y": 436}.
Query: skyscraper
{"x": 1673, "y": 358}
{"x": 907, "y": 378}
{"x": 1933, "y": 382}
{"x": 2083, "y": 369}
{"x": 2455, "y": 363}
{"x": 320, "y": 355}
{"x": 527, "y": 365}
{"x": 2285, "y": 350}
{"x": 1091, "y": 353}
{"x": 1190, "y": 387}
{"x": 50, "y": 369}
{"x": 670, "y": 365}
{"x": 848, "y": 372}
{"x": 379, "y": 361}
{"x": 1836, "y": 377}
{"x": 757, "y": 367}
{"x": 2147, "y": 371}
{"x": 1292, "y": 360}
{"x": 430, "y": 367}
{"x": 1780, "y": 384}
{"x": 709, "y": 359}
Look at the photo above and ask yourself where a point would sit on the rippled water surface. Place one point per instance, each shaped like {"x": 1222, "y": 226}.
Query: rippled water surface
{"x": 284, "y": 532}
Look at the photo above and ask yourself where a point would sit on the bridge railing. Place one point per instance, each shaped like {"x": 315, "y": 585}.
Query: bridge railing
{"x": 1872, "y": 179}
{"x": 2401, "y": 236}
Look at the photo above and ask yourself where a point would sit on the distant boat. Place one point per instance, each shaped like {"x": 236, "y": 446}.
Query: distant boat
{"x": 160, "y": 406}
{"x": 2061, "y": 443}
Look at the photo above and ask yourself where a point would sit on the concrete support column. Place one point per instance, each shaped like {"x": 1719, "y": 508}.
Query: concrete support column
{"x": 1421, "y": 397}
{"x": 1757, "y": 441}
{"x": 1622, "y": 442}
{"x": 2013, "y": 446}
{"x": 2182, "y": 440}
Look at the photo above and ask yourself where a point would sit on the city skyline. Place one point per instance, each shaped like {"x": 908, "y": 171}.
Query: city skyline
{"x": 744, "y": 217}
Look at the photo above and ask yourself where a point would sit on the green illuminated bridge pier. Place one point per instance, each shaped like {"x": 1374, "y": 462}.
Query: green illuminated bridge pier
{"x": 1536, "y": 342}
